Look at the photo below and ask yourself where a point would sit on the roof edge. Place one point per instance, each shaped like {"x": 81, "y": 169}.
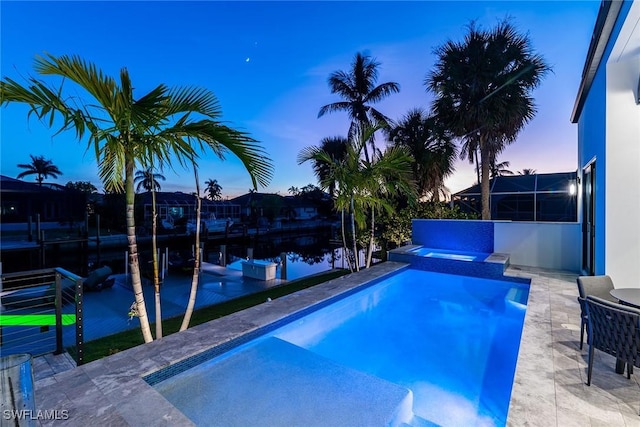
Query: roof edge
{"x": 607, "y": 16}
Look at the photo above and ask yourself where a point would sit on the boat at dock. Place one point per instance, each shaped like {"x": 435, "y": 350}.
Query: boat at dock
{"x": 209, "y": 225}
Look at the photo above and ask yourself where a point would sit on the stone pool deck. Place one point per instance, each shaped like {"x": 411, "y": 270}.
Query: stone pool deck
{"x": 549, "y": 387}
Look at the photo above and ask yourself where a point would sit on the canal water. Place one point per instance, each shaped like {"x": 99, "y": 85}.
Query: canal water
{"x": 306, "y": 253}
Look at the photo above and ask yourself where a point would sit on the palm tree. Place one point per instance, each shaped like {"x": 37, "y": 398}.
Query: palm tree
{"x": 326, "y": 161}
{"x": 196, "y": 263}
{"x": 148, "y": 180}
{"x": 482, "y": 90}
{"x": 164, "y": 124}
{"x": 342, "y": 175}
{"x": 294, "y": 191}
{"x": 431, "y": 148}
{"x": 213, "y": 190}
{"x": 358, "y": 89}
{"x": 41, "y": 167}
{"x": 360, "y": 186}
{"x": 388, "y": 176}
{"x": 336, "y": 148}
{"x": 500, "y": 169}
{"x": 527, "y": 172}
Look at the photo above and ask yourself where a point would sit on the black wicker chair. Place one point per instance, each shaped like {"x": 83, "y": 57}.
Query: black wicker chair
{"x": 598, "y": 286}
{"x": 613, "y": 329}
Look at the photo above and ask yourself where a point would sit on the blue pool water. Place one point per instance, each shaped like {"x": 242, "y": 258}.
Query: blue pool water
{"x": 450, "y": 254}
{"x": 451, "y": 340}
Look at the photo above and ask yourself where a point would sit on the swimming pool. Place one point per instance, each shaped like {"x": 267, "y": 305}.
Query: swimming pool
{"x": 450, "y": 341}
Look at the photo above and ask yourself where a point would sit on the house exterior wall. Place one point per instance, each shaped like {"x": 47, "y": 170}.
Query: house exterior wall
{"x": 591, "y": 148}
{"x": 622, "y": 241}
{"x": 608, "y": 131}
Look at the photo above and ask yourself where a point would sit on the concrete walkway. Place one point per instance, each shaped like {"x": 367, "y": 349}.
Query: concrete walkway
{"x": 549, "y": 388}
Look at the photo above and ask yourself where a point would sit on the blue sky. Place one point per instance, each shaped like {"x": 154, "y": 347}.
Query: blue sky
{"x": 268, "y": 64}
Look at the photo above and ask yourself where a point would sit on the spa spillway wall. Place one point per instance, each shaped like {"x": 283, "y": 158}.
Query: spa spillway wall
{"x": 453, "y": 236}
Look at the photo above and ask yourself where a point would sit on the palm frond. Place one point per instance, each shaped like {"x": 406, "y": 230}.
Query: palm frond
{"x": 336, "y": 106}
{"x": 382, "y": 91}
{"x": 86, "y": 74}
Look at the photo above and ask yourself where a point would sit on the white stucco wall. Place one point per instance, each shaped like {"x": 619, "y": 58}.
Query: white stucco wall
{"x": 538, "y": 244}
{"x": 622, "y": 144}
{"x": 622, "y": 241}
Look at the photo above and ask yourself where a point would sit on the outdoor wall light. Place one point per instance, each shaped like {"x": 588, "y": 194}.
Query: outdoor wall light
{"x": 572, "y": 189}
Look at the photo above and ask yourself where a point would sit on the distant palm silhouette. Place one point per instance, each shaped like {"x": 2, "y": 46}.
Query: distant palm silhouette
{"x": 213, "y": 190}
{"x": 500, "y": 169}
{"x": 148, "y": 180}
{"x": 41, "y": 167}
{"x": 294, "y": 190}
{"x": 527, "y": 172}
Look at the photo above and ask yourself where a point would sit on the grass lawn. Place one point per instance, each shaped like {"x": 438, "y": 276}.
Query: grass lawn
{"x": 97, "y": 349}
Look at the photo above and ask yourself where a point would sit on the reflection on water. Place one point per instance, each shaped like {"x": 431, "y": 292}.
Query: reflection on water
{"x": 306, "y": 254}
{"x": 301, "y": 265}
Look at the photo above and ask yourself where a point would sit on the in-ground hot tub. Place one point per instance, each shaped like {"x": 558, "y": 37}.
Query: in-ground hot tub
{"x": 449, "y": 254}
{"x": 468, "y": 263}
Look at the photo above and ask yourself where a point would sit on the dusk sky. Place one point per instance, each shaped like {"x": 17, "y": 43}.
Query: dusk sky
{"x": 268, "y": 64}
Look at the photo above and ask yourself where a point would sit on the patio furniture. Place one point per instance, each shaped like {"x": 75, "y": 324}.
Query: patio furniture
{"x": 627, "y": 296}
{"x": 598, "y": 286}
{"x": 613, "y": 329}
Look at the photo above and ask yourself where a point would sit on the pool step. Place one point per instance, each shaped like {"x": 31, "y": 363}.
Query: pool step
{"x": 517, "y": 295}
{"x": 277, "y": 383}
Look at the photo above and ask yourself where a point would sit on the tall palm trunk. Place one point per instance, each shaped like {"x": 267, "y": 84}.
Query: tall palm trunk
{"x": 134, "y": 265}
{"x": 485, "y": 168}
{"x": 154, "y": 247}
{"x": 477, "y": 162}
{"x": 371, "y": 237}
{"x": 345, "y": 251}
{"x": 196, "y": 265}
{"x": 353, "y": 234}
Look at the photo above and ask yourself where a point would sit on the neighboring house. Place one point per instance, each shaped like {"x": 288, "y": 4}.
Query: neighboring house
{"x": 275, "y": 207}
{"x": 260, "y": 205}
{"x": 549, "y": 197}
{"x": 300, "y": 208}
{"x": 181, "y": 207}
{"x": 20, "y": 201}
{"x": 607, "y": 111}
